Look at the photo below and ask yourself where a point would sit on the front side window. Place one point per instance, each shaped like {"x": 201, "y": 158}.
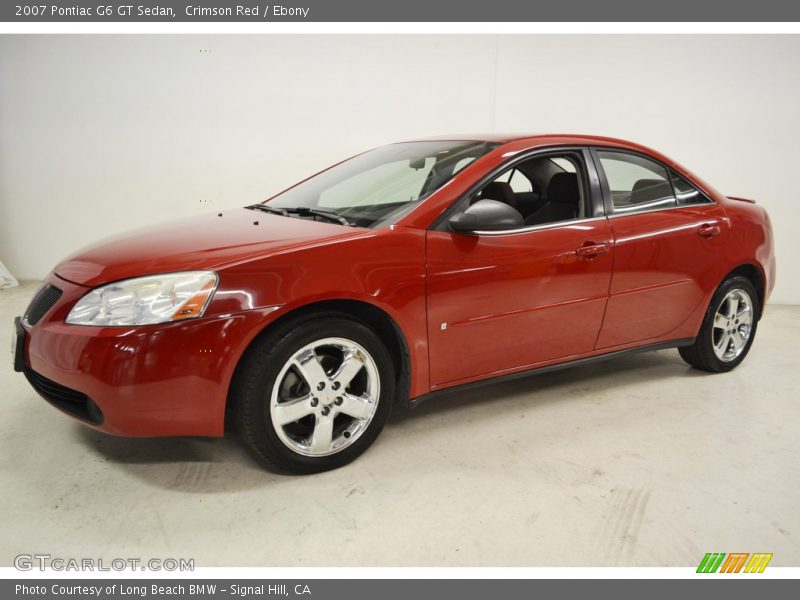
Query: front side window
{"x": 518, "y": 182}
{"x": 636, "y": 183}
{"x": 380, "y": 185}
{"x": 543, "y": 189}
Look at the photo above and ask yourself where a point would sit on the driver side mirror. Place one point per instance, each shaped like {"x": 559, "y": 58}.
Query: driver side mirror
{"x": 486, "y": 215}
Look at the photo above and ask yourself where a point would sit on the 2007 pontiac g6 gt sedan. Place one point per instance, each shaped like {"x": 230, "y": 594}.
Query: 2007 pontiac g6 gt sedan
{"x": 404, "y": 272}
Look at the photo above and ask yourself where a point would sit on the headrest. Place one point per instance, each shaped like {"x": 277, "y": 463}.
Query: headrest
{"x": 563, "y": 187}
{"x": 650, "y": 190}
{"x": 500, "y": 191}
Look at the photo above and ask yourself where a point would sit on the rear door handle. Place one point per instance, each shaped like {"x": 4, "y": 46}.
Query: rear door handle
{"x": 590, "y": 250}
{"x": 708, "y": 230}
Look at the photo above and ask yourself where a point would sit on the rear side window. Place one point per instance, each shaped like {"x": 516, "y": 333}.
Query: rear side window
{"x": 636, "y": 183}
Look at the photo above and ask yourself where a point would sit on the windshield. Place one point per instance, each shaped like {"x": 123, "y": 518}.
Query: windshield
{"x": 380, "y": 185}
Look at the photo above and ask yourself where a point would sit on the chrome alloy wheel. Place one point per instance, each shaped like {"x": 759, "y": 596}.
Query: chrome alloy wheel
{"x": 325, "y": 397}
{"x": 733, "y": 324}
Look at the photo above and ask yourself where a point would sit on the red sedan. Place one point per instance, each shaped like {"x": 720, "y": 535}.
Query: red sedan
{"x": 404, "y": 272}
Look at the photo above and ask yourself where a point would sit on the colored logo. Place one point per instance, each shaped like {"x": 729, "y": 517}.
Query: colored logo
{"x": 735, "y": 562}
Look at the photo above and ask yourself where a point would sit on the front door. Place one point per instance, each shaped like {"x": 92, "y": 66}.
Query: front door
{"x": 503, "y": 301}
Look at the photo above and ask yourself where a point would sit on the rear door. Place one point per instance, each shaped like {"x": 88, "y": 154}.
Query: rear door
{"x": 667, "y": 236}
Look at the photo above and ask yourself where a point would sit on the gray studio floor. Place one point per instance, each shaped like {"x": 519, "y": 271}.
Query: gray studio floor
{"x": 639, "y": 461}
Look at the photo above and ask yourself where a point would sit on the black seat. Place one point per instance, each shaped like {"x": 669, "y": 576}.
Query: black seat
{"x": 500, "y": 191}
{"x": 646, "y": 191}
{"x": 563, "y": 200}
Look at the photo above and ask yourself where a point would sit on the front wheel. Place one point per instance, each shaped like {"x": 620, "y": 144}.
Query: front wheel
{"x": 728, "y": 329}
{"x": 315, "y": 394}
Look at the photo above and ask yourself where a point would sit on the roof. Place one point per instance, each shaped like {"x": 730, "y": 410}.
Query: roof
{"x": 476, "y": 137}
{"x": 505, "y": 138}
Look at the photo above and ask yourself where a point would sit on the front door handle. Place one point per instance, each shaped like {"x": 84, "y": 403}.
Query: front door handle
{"x": 590, "y": 250}
{"x": 708, "y": 230}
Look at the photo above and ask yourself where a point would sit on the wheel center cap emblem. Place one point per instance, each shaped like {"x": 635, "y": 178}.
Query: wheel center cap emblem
{"x": 327, "y": 397}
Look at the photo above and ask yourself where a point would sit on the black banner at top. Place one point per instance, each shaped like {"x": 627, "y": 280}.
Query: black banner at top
{"x": 48, "y": 11}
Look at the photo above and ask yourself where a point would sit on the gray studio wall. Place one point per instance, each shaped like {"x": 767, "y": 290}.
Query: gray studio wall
{"x": 99, "y": 134}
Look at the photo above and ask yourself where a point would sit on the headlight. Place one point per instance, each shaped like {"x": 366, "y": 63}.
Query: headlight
{"x": 146, "y": 300}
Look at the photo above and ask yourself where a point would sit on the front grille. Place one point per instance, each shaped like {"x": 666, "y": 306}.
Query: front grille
{"x": 70, "y": 401}
{"x": 44, "y": 301}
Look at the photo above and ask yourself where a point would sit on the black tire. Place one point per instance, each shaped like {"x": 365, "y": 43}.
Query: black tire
{"x": 262, "y": 364}
{"x": 701, "y": 354}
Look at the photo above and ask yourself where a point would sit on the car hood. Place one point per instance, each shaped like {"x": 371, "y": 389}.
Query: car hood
{"x": 204, "y": 242}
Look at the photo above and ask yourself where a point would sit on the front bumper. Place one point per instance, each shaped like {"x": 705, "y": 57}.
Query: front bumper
{"x": 18, "y": 346}
{"x": 156, "y": 380}
{"x": 72, "y": 402}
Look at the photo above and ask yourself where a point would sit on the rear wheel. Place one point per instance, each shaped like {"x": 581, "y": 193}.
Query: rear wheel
{"x": 728, "y": 329}
{"x": 315, "y": 394}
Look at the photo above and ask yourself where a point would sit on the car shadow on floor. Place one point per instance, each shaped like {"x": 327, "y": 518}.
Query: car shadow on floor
{"x": 182, "y": 464}
{"x": 199, "y": 465}
{"x": 588, "y": 380}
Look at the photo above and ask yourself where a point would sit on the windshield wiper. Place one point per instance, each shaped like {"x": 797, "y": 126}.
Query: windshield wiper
{"x": 331, "y": 216}
{"x": 301, "y": 211}
{"x": 270, "y": 209}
